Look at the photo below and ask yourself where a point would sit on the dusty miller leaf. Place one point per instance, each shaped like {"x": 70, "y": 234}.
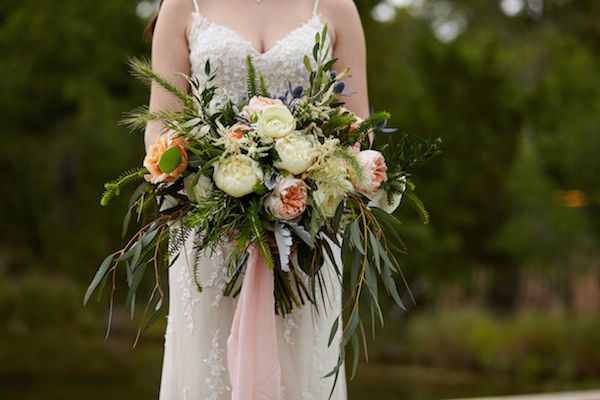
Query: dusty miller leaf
{"x": 283, "y": 238}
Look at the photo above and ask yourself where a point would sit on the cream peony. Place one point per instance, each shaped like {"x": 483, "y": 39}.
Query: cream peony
{"x": 327, "y": 201}
{"x": 258, "y": 104}
{"x": 237, "y": 175}
{"x": 275, "y": 122}
{"x": 297, "y": 152}
{"x": 197, "y": 187}
{"x": 374, "y": 171}
{"x": 288, "y": 199}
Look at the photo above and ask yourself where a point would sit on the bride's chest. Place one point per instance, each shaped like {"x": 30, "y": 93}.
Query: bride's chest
{"x": 227, "y": 51}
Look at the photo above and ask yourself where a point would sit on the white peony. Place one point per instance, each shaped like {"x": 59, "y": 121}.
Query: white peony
{"x": 275, "y": 122}
{"x": 297, "y": 152}
{"x": 237, "y": 175}
{"x": 380, "y": 200}
{"x": 197, "y": 187}
{"x": 327, "y": 201}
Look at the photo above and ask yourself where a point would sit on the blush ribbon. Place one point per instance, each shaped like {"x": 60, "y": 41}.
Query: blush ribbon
{"x": 252, "y": 353}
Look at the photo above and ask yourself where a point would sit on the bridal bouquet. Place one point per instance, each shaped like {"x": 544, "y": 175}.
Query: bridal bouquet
{"x": 293, "y": 175}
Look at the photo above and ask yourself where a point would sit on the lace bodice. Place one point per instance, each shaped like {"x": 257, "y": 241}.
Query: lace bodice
{"x": 227, "y": 51}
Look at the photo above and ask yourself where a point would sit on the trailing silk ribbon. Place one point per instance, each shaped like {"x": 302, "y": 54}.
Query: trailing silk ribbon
{"x": 252, "y": 354}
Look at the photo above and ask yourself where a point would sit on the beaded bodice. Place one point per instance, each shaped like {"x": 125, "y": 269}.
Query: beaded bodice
{"x": 227, "y": 51}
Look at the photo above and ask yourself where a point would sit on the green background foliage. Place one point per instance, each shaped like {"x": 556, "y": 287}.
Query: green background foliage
{"x": 506, "y": 275}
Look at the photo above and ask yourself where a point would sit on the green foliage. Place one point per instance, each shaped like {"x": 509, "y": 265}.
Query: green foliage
{"x": 528, "y": 347}
{"x": 264, "y": 91}
{"x": 251, "y": 77}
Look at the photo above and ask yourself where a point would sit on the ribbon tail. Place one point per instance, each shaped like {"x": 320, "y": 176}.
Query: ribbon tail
{"x": 252, "y": 353}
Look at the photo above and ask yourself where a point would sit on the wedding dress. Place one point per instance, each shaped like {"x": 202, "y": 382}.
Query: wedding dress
{"x": 199, "y": 323}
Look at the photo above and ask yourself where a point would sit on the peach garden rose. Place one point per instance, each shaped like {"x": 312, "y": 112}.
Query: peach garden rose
{"x": 175, "y": 147}
{"x": 374, "y": 170}
{"x": 257, "y": 104}
{"x": 288, "y": 200}
{"x": 237, "y": 132}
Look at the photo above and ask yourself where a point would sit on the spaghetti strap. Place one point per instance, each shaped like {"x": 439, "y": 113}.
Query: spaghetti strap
{"x": 315, "y": 7}
{"x": 196, "y": 6}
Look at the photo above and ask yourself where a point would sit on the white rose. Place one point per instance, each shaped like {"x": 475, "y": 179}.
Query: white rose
{"x": 380, "y": 200}
{"x": 297, "y": 152}
{"x": 327, "y": 201}
{"x": 275, "y": 122}
{"x": 237, "y": 175}
{"x": 197, "y": 187}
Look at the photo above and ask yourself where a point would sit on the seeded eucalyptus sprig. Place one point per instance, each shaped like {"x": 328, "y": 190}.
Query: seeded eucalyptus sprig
{"x": 114, "y": 187}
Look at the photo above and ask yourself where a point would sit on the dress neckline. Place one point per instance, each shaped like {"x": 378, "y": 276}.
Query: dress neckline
{"x": 315, "y": 18}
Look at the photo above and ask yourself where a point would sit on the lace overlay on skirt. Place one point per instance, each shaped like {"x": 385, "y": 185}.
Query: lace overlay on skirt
{"x": 195, "y": 362}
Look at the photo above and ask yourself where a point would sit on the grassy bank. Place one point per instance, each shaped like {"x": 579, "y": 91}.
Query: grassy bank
{"x": 52, "y": 346}
{"x": 529, "y": 347}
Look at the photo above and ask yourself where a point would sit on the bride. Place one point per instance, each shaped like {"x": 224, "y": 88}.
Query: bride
{"x": 277, "y": 33}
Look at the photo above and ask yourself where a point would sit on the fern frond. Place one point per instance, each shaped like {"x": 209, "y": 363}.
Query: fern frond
{"x": 113, "y": 188}
{"x": 251, "y": 76}
{"x": 264, "y": 91}
{"x": 258, "y": 231}
{"x": 371, "y": 121}
{"x": 361, "y": 132}
{"x": 142, "y": 69}
{"x": 336, "y": 124}
{"x": 178, "y": 236}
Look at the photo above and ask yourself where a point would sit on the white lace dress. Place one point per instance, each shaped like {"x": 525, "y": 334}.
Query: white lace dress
{"x": 198, "y": 323}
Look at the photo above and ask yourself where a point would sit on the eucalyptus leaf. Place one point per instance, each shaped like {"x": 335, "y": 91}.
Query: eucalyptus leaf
{"x": 356, "y": 236}
{"x": 355, "y": 354}
{"x": 333, "y": 331}
{"x": 377, "y": 250}
{"x": 102, "y": 270}
{"x": 337, "y": 217}
{"x": 138, "y": 274}
{"x": 126, "y": 221}
{"x": 350, "y": 328}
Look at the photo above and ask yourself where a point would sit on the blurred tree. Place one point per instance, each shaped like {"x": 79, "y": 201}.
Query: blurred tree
{"x": 65, "y": 84}
{"x": 476, "y": 73}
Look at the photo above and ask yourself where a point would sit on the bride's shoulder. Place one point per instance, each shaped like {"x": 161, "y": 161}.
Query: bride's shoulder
{"x": 174, "y": 15}
{"x": 342, "y": 15}
{"x": 340, "y": 8}
{"x": 339, "y": 12}
{"x": 176, "y": 8}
